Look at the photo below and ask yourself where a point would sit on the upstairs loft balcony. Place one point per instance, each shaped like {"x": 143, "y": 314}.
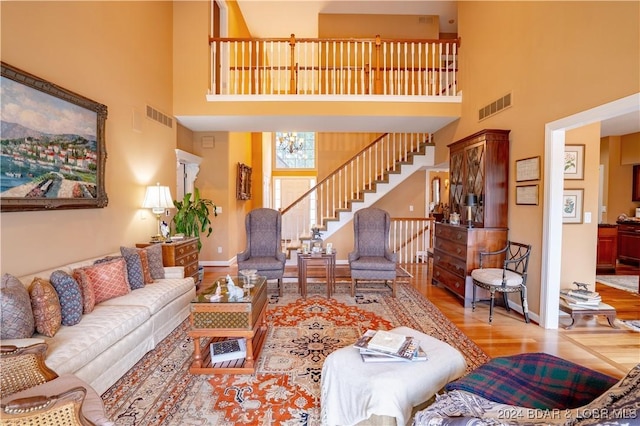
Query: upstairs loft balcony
{"x": 368, "y": 84}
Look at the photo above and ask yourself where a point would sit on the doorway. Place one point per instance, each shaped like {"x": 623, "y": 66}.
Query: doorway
{"x": 553, "y": 188}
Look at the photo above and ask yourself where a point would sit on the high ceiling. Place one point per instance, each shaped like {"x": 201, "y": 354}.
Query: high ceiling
{"x": 265, "y": 18}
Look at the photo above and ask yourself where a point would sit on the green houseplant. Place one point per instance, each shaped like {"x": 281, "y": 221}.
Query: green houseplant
{"x": 192, "y": 216}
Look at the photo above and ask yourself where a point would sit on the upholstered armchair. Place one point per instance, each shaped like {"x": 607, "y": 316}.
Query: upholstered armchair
{"x": 371, "y": 258}
{"x": 32, "y": 393}
{"x": 263, "y": 252}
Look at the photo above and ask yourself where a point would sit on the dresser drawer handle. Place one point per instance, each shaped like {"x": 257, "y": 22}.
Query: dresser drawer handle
{"x": 438, "y": 273}
{"x": 458, "y": 250}
{"x": 459, "y": 236}
{"x": 457, "y": 284}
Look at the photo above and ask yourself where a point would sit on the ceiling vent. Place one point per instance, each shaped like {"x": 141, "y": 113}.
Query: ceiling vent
{"x": 494, "y": 107}
{"x": 161, "y": 118}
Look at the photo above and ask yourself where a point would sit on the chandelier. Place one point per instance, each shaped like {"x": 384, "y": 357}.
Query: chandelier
{"x": 290, "y": 142}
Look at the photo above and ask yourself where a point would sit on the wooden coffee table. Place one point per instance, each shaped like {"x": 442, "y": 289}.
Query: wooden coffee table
{"x": 228, "y": 318}
{"x": 577, "y": 313}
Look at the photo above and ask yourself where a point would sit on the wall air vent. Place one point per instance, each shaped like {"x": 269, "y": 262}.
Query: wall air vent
{"x": 161, "y": 118}
{"x": 494, "y": 107}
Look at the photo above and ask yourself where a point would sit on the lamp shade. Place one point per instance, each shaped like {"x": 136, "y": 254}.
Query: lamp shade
{"x": 471, "y": 200}
{"x": 158, "y": 198}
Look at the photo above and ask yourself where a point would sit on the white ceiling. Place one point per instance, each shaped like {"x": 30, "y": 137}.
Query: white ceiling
{"x": 265, "y": 19}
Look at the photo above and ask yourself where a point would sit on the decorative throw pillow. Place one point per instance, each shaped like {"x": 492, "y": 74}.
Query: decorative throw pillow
{"x": 154, "y": 255}
{"x": 69, "y": 295}
{"x": 144, "y": 261}
{"x": 46, "y": 307}
{"x": 146, "y": 272}
{"x": 88, "y": 296}
{"x": 16, "y": 321}
{"x": 134, "y": 270}
{"x": 108, "y": 279}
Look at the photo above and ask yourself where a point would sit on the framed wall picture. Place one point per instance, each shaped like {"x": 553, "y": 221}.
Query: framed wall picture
{"x": 574, "y": 162}
{"x": 52, "y": 144}
{"x": 528, "y": 169}
{"x": 243, "y": 185}
{"x": 527, "y": 195}
{"x": 572, "y": 201}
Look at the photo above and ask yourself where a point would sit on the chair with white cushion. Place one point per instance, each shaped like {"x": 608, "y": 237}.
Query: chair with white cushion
{"x": 511, "y": 278}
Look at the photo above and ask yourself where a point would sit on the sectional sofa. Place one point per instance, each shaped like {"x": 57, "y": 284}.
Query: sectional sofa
{"x": 118, "y": 332}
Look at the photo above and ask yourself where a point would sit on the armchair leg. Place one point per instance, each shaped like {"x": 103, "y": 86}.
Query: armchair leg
{"x": 393, "y": 288}
{"x": 506, "y": 302}
{"x": 353, "y": 287}
{"x": 491, "y": 303}
{"x": 473, "y": 300}
{"x": 280, "y": 287}
{"x": 525, "y": 305}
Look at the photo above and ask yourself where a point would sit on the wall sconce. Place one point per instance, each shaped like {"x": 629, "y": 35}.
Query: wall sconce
{"x": 446, "y": 184}
{"x": 158, "y": 199}
{"x": 471, "y": 200}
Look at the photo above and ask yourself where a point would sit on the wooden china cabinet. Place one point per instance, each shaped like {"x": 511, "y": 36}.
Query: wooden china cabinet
{"x": 478, "y": 164}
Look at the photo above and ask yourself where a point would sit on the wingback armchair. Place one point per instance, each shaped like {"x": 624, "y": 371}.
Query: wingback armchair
{"x": 263, "y": 252}
{"x": 371, "y": 258}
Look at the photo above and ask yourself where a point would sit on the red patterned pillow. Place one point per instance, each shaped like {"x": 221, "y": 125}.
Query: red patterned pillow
{"x": 108, "y": 280}
{"x": 88, "y": 296}
{"x": 46, "y": 307}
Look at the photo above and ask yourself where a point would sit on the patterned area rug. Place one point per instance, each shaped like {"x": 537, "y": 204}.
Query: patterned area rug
{"x": 286, "y": 388}
{"x": 622, "y": 282}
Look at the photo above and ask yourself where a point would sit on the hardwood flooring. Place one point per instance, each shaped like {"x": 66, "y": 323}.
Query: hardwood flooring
{"x": 591, "y": 343}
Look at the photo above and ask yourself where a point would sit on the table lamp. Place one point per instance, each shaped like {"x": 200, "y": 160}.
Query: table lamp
{"x": 158, "y": 199}
{"x": 471, "y": 200}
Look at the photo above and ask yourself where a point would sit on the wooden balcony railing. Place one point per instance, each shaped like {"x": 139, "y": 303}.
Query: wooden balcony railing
{"x": 373, "y": 66}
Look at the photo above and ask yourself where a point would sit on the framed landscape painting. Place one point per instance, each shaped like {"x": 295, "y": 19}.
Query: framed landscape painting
{"x": 52, "y": 146}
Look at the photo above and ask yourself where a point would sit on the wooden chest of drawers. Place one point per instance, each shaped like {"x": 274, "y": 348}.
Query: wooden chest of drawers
{"x": 457, "y": 252}
{"x": 181, "y": 253}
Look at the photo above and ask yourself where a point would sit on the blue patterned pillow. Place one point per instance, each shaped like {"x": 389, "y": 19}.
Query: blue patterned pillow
{"x": 69, "y": 295}
{"x": 134, "y": 270}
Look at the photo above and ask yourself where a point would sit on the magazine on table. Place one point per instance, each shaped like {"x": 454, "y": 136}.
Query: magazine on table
{"x": 373, "y": 356}
{"x": 227, "y": 350}
{"x": 388, "y": 345}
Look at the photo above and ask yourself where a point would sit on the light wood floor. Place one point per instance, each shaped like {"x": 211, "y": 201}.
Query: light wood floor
{"x": 591, "y": 342}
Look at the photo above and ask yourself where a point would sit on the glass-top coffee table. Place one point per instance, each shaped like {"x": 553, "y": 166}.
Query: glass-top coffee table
{"x": 217, "y": 317}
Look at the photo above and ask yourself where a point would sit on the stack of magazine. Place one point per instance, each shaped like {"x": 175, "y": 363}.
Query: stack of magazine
{"x": 580, "y": 297}
{"x": 386, "y": 346}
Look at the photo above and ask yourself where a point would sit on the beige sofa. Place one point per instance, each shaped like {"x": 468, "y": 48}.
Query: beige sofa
{"x": 107, "y": 342}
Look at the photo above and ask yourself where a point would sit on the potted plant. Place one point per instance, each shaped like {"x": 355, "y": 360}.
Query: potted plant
{"x": 192, "y": 216}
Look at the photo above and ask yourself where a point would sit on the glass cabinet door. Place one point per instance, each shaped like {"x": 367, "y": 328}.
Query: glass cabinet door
{"x": 474, "y": 179}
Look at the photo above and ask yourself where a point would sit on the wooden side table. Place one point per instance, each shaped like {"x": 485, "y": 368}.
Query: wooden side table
{"x": 577, "y": 313}
{"x": 316, "y": 259}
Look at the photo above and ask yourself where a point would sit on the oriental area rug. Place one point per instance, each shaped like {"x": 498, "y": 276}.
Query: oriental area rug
{"x": 285, "y": 390}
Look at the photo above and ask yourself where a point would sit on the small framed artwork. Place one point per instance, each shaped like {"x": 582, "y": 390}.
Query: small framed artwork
{"x": 243, "y": 185}
{"x": 572, "y": 205}
{"x": 528, "y": 169}
{"x": 527, "y": 195}
{"x": 574, "y": 162}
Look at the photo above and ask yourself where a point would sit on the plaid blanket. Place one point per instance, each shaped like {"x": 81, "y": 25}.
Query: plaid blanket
{"x": 535, "y": 380}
